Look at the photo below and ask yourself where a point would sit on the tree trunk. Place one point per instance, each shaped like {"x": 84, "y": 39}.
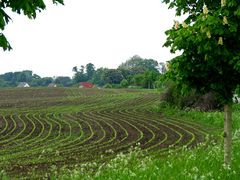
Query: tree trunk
{"x": 227, "y": 134}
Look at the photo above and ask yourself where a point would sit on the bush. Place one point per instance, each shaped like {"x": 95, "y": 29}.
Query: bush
{"x": 124, "y": 83}
{"x": 207, "y": 102}
{"x": 174, "y": 97}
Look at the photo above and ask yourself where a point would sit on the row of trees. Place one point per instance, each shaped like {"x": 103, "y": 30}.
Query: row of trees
{"x": 12, "y": 79}
{"x": 134, "y": 72}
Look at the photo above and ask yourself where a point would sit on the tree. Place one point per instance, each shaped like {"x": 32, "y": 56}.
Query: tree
{"x": 210, "y": 59}
{"x": 124, "y": 83}
{"x": 8, "y": 76}
{"x": 138, "y": 65}
{"x": 80, "y": 75}
{"x": 90, "y": 70}
{"x": 2, "y": 82}
{"x": 149, "y": 79}
{"x": 138, "y": 79}
{"x": 132, "y": 62}
{"x": 75, "y": 69}
{"x": 98, "y": 77}
{"x": 150, "y": 65}
{"x": 64, "y": 81}
{"x": 26, "y": 7}
{"x": 113, "y": 76}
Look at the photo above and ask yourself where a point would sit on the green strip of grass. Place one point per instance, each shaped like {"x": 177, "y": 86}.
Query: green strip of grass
{"x": 213, "y": 119}
{"x": 202, "y": 162}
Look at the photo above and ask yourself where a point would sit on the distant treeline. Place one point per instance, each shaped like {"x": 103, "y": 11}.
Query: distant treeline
{"x": 12, "y": 79}
{"x": 134, "y": 73}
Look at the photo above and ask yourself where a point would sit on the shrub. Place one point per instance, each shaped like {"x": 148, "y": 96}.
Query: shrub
{"x": 124, "y": 83}
{"x": 173, "y": 96}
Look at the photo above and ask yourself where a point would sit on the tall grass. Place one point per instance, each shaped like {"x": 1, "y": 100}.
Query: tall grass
{"x": 212, "y": 119}
{"x": 202, "y": 162}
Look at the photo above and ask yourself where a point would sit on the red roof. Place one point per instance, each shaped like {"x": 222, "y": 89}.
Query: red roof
{"x": 86, "y": 84}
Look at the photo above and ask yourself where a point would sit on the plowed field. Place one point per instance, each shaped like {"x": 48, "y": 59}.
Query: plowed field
{"x": 40, "y": 128}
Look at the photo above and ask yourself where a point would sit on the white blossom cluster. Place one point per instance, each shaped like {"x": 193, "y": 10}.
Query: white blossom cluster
{"x": 223, "y": 3}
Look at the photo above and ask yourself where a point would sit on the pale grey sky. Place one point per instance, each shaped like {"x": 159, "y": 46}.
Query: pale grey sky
{"x": 103, "y": 32}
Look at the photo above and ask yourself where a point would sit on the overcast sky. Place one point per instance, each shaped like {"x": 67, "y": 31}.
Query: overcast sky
{"x": 103, "y": 32}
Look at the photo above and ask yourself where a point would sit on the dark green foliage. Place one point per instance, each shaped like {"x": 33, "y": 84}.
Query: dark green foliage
{"x": 210, "y": 57}
{"x": 79, "y": 77}
{"x": 149, "y": 79}
{"x": 113, "y": 76}
{"x": 207, "y": 102}
{"x": 136, "y": 72}
{"x": 42, "y": 81}
{"x": 191, "y": 99}
{"x": 63, "y": 81}
{"x": 140, "y": 72}
{"x": 138, "y": 65}
{"x": 138, "y": 79}
{"x": 98, "y": 77}
{"x": 124, "y": 83}
{"x": 90, "y": 70}
{"x": 85, "y": 73}
{"x": 12, "y": 79}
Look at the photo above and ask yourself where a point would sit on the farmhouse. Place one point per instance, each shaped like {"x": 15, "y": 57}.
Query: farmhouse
{"x": 86, "y": 85}
{"x": 23, "y": 85}
{"x": 52, "y": 85}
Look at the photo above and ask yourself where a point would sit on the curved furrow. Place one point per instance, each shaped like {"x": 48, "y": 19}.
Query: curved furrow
{"x": 196, "y": 134}
{"x": 48, "y": 149}
{"x": 188, "y": 136}
{"x": 19, "y": 126}
{"x": 37, "y": 131}
{"x": 28, "y": 129}
{"x": 10, "y": 128}
{"x": 4, "y": 125}
{"x": 165, "y": 130}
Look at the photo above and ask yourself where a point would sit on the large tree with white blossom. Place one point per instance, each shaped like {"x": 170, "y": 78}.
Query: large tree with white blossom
{"x": 210, "y": 52}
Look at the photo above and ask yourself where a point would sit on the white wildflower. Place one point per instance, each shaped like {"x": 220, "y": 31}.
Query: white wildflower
{"x": 138, "y": 144}
{"x": 220, "y": 41}
{"x": 205, "y": 9}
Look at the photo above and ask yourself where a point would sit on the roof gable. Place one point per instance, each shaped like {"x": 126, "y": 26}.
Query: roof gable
{"x": 23, "y": 84}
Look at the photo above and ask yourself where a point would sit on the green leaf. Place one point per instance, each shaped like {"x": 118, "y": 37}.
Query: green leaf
{"x": 4, "y": 43}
